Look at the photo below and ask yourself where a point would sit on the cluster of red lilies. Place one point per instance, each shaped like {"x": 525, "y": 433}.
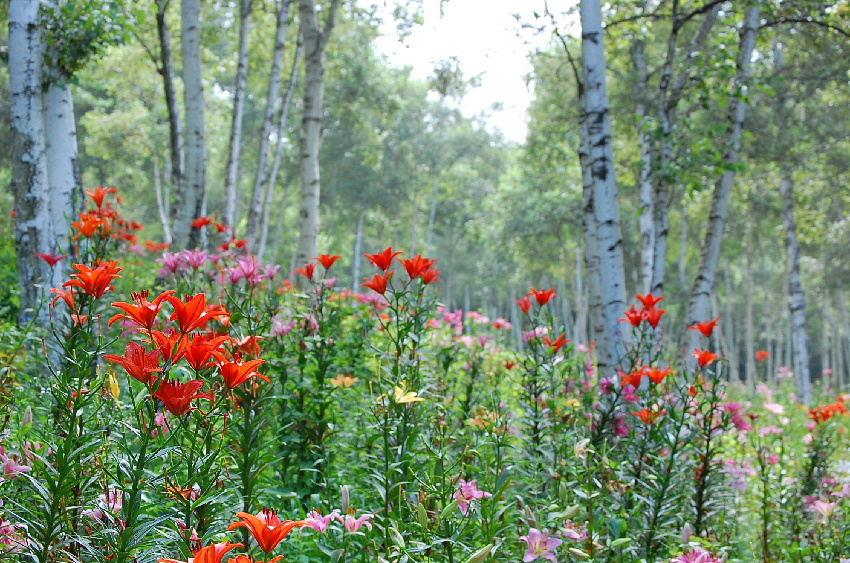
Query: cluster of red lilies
{"x": 104, "y": 221}
{"x": 416, "y": 267}
{"x": 542, "y": 296}
{"x": 824, "y": 413}
{"x": 648, "y": 312}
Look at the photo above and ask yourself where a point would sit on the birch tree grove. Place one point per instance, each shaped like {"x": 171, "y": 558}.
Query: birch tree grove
{"x": 315, "y": 41}
{"x": 698, "y": 307}
{"x": 600, "y": 162}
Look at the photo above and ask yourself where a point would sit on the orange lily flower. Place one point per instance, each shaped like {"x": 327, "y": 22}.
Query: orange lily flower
{"x": 378, "y": 283}
{"x": 648, "y": 300}
{"x": 245, "y": 559}
{"x": 648, "y": 416}
{"x": 653, "y": 315}
{"x": 383, "y": 260}
{"x": 657, "y": 375}
{"x": 632, "y": 378}
{"x": 171, "y": 344}
{"x": 95, "y": 282}
{"x": 307, "y": 271}
{"x": 266, "y": 527}
{"x": 542, "y": 296}
{"x": 144, "y": 312}
{"x": 138, "y": 363}
{"x": 705, "y": 328}
{"x": 327, "y": 260}
{"x": 704, "y": 357}
{"x": 417, "y": 265}
{"x": 178, "y": 397}
{"x": 193, "y": 314}
{"x": 209, "y": 554}
{"x": 66, "y": 295}
{"x": 235, "y": 373}
{"x": 201, "y": 350}
{"x": 557, "y": 344}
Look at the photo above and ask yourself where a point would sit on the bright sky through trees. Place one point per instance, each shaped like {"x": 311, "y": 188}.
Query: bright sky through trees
{"x": 489, "y": 42}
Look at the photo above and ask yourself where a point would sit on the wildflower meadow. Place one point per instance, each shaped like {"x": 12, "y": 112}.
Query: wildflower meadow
{"x": 202, "y": 407}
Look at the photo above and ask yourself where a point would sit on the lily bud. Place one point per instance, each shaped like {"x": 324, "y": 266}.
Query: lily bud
{"x": 481, "y": 554}
{"x": 686, "y": 534}
{"x": 422, "y": 515}
{"x": 27, "y": 418}
{"x": 346, "y": 498}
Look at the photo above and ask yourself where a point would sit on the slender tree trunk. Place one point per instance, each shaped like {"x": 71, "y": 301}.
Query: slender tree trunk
{"x": 581, "y": 309}
{"x": 670, "y": 93}
{"x": 315, "y": 42}
{"x": 161, "y": 200}
{"x": 189, "y": 201}
{"x": 413, "y": 216}
{"x": 683, "y": 249}
{"x": 358, "y": 250}
{"x": 605, "y": 205}
{"x": 258, "y": 195}
{"x": 33, "y": 232}
{"x": 730, "y": 332}
{"x": 646, "y": 207}
{"x": 797, "y": 305}
{"x": 166, "y": 70}
{"x": 432, "y": 215}
{"x": 704, "y": 282}
{"x": 231, "y": 174}
{"x": 749, "y": 330}
{"x": 63, "y": 171}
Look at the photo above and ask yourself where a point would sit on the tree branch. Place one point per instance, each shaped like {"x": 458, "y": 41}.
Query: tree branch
{"x": 829, "y": 26}
{"x": 576, "y": 73}
{"x": 701, "y": 10}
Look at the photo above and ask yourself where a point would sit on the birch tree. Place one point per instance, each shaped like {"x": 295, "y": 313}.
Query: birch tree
{"x": 232, "y": 170}
{"x": 175, "y": 128}
{"x": 698, "y": 306}
{"x": 255, "y": 209}
{"x": 315, "y": 40}
{"x": 600, "y": 167}
{"x": 189, "y": 200}
{"x": 33, "y": 232}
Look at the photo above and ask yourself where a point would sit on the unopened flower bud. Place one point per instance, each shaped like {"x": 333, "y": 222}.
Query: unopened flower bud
{"x": 345, "y": 490}
{"x": 686, "y": 534}
{"x": 27, "y": 418}
{"x": 481, "y": 554}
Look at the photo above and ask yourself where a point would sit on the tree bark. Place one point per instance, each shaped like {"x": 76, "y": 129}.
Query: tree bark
{"x": 669, "y": 95}
{"x": 646, "y": 206}
{"x": 189, "y": 201}
{"x": 749, "y": 329}
{"x": 358, "y": 249}
{"x": 64, "y": 189}
{"x": 231, "y": 174}
{"x": 315, "y": 42}
{"x": 258, "y": 195}
{"x": 166, "y": 70}
{"x": 797, "y": 306}
{"x": 604, "y": 177}
{"x": 33, "y": 233}
{"x": 161, "y": 201}
{"x": 704, "y": 281}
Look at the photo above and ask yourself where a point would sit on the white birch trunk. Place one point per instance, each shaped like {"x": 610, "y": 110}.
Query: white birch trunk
{"x": 730, "y": 332}
{"x": 33, "y": 233}
{"x": 189, "y": 201}
{"x": 259, "y": 196}
{"x": 64, "y": 192}
{"x": 358, "y": 250}
{"x": 161, "y": 201}
{"x": 749, "y": 329}
{"x": 432, "y": 215}
{"x": 646, "y": 206}
{"x": 166, "y": 69}
{"x": 231, "y": 175}
{"x": 704, "y": 282}
{"x": 315, "y": 42}
{"x": 797, "y": 308}
{"x": 581, "y": 309}
{"x": 606, "y": 207}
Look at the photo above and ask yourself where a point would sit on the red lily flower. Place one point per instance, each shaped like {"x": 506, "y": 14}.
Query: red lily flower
{"x": 378, "y": 283}
{"x": 88, "y": 224}
{"x": 542, "y": 296}
{"x": 648, "y": 300}
{"x": 99, "y": 194}
{"x": 66, "y": 295}
{"x": 761, "y": 355}
{"x": 383, "y": 260}
{"x": 235, "y": 373}
{"x": 649, "y": 417}
{"x": 94, "y": 282}
{"x": 245, "y": 559}
{"x": 171, "y": 345}
{"x": 416, "y": 266}
{"x": 193, "y": 314}
{"x": 657, "y": 375}
{"x": 430, "y": 275}
{"x": 138, "y": 362}
{"x": 220, "y": 227}
{"x": 327, "y": 261}
{"x": 307, "y": 271}
{"x": 632, "y": 378}
{"x": 705, "y": 328}
{"x": 557, "y": 344}
{"x": 524, "y": 304}
{"x": 210, "y": 554}
{"x": 653, "y": 316}
{"x": 704, "y": 357}
{"x": 266, "y": 527}
{"x": 633, "y": 316}
{"x": 152, "y": 246}
{"x": 201, "y": 222}
{"x": 178, "y": 397}
{"x": 144, "y": 312}
{"x": 249, "y": 345}
{"x": 51, "y": 259}
{"x": 202, "y": 349}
